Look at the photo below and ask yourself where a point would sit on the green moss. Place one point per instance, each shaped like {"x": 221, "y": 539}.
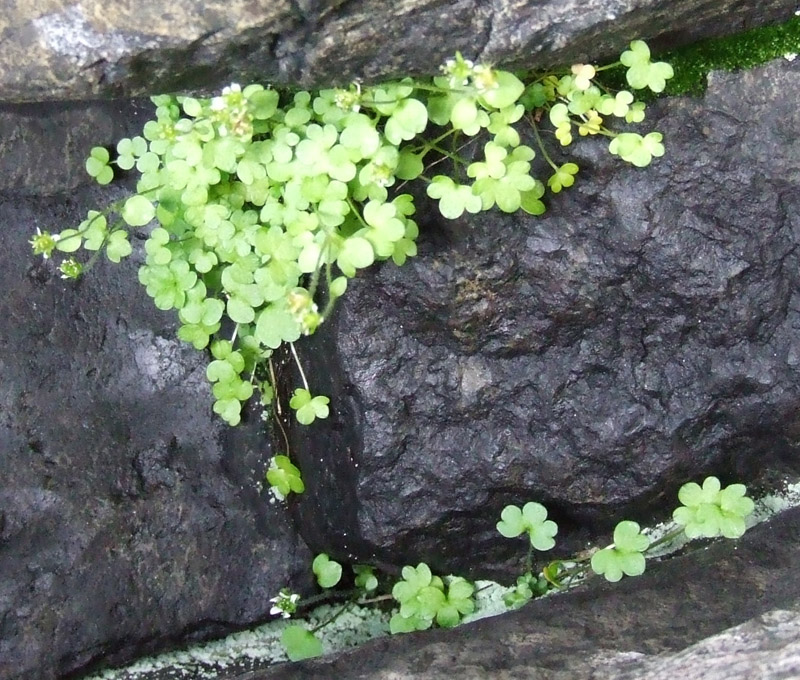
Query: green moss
{"x": 744, "y": 50}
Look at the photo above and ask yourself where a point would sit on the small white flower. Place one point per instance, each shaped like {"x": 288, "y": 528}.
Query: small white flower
{"x": 790, "y": 56}
{"x": 285, "y": 603}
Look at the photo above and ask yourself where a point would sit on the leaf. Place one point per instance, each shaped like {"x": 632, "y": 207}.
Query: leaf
{"x": 408, "y": 120}
{"x": 356, "y": 253}
{"x": 532, "y": 518}
{"x": 508, "y": 90}
{"x": 284, "y": 476}
{"x": 118, "y": 245}
{"x": 327, "y": 571}
{"x": 275, "y": 325}
{"x": 625, "y": 557}
{"x": 407, "y": 624}
{"x": 239, "y": 311}
{"x": 512, "y": 523}
{"x": 365, "y": 578}
{"x": 300, "y": 643}
{"x": 138, "y": 211}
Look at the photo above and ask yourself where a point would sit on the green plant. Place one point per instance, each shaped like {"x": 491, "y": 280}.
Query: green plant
{"x": 711, "y": 511}
{"x": 532, "y": 518}
{"x": 425, "y": 598}
{"x": 706, "y": 511}
{"x": 284, "y": 477}
{"x": 626, "y": 556}
{"x": 327, "y": 571}
{"x": 260, "y": 197}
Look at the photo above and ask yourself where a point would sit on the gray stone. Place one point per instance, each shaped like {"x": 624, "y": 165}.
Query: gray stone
{"x": 642, "y": 333}
{"x": 43, "y": 147}
{"x": 130, "y": 516}
{"x": 639, "y": 628}
{"x": 82, "y": 49}
{"x": 767, "y": 648}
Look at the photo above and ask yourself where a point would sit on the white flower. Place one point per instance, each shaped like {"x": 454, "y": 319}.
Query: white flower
{"x": 285, "y": 603}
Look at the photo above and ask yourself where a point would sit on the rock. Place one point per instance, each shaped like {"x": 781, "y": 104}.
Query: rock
{"x": 43, "y": 147}
{"x": 630, "y": 630}
{"x": 641, "y": 334}
{"x": 131, "y": 519}
{"x": 67, "y": 49}
{"x": 766, "y": 647}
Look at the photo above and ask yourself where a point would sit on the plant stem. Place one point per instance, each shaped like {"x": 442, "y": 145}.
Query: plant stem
{"x": 541, "y": 144}
{"x": 299, "y": 366}
{"x": 342, "y": 610}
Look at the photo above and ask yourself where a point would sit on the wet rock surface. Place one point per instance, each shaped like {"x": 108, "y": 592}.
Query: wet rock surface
{"x": 130, "y": 518}
{"x": 82, "y": 49}
{"x": 638, "y": 628}
{"x": 43, "y": 147}
{"x": 642, "y": 333}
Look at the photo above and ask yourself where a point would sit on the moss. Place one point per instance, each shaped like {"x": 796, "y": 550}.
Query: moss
{"x": 743, "y": 50}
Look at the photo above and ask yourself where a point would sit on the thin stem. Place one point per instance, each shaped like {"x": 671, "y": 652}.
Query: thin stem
{"x": 377, "y": 598}
{"x": 299, "y": 366}
{"x": 666, "y": 538}
{"x": 607, "y": 66}
{"x": 323, "y": 255}
{"x": 541, "y": 144}
{"x": 331, "y": 299}
{"x": 235, "y": 333}
{"x": 529, "y": 559}
{"x": 275, "y": 397}
{"x": 333, "y": 618}
{"x": 356, "y": 212}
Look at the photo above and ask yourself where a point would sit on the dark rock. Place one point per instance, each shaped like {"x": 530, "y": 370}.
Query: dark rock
{"x": 43, "y": 147}
{"x": 130, "y": 516}
{"x": 643, "y": 333}
{"x": 603, "y": 631}
{"x": 81, "y": 50}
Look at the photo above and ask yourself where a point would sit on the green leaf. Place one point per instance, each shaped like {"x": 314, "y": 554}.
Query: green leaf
{"x": 263, "y": 103}
{"x": 327, "y": 571}
{"x": 239, "y": 311}
{"x": 309, "y": 408}
{"x": 563, "y": 177}
{"x": 275, "y": 325}
{"x": 454, "y": 198}
{"x": 409, "y": 119}
{"x": 531, "y": 518}
{"x": 365, "y": 578}
{"x": 118, "y": 245}
{"x": 138, "y": 211}
{"x": 710, "y": 511}
{"x": 300, "y": 643}
{"x": 356, "y": 253}
{"x": 407, "y": 624}
{"x": 625, "y": 557}
{"x": 284, "y": 476}
{"x": 507, "y": 91}
{"x": 69, "y": 240}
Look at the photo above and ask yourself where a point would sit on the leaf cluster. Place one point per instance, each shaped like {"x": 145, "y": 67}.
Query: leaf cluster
{"x": 425, "y": 599}
{"x": 710, "y": 511}
{"x": 259, "y": 205}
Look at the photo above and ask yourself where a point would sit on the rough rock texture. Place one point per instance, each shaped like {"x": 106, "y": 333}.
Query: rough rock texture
{"x": 642, "y": 333}
{"x": 632, "y": 630}
{"x": 77, "y": 49}
{"x": 130, "y": 520}
{"x": 43, "y": 148}
{"x": 767, "y": 648}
